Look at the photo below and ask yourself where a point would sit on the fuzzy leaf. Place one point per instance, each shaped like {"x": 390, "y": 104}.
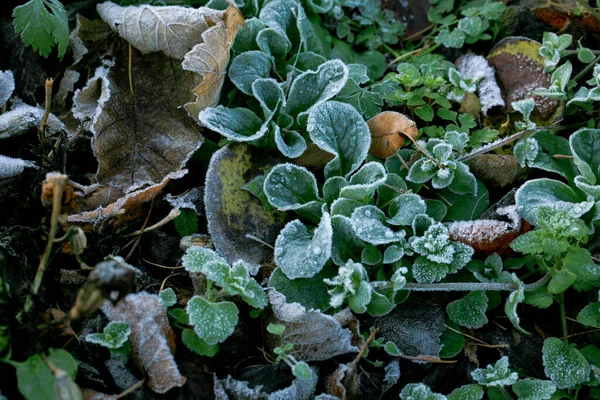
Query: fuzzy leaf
{"x": 470, "y": 310}
{"x": 246, "y": 68}
{"x": 497, "y": 374}
{"x": 563, "y": 364}
{"x": 369, "y": 225}
{"x": 339, "y": 129}
{"x": 404, "y": 208}
{"x": 213, "y": 322}
{"x": 114, "y": 335}
{"x": 301, "y": 253}
{"x": 467, "y": 392}
{"x": 534, "y": 389}
{"x": 236, "y": 124}
{"x": 418, "y": 391}
{"x": 289, "y": 187}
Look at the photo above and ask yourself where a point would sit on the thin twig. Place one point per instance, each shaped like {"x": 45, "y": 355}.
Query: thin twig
{"x": 467, "y": 335}
{"x": 431, "y": 359}
{"x": 249, "y": 236}
{"x": 47, "y": 106}
{"x": 130, "y": 70}
{"x": 135, "y": 386}
{"x": 363, "y": 349}
{"x": 137, "y": 239}
{"x": 162, "y": 266}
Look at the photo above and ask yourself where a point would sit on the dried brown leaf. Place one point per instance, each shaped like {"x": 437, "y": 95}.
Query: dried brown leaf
{"x": 388, "y": 132}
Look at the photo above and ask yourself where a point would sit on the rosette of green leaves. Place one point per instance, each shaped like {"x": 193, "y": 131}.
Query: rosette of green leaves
{"x": 439, "y": 256}
{"x": 552, "y": 49}
{"x": 351, "y": 284}
{"x": 497, "y": 374}
{"x": 586, "y": 95}
{"x": 445, "y": 172}
{"x": 558, "y": 83}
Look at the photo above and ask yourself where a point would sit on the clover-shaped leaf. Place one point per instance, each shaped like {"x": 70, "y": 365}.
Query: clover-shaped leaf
{"x": 213, "y": 322}
{"x": 563, "y": 364}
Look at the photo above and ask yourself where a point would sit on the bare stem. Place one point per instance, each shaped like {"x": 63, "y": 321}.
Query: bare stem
{"x": 47, "y": 106}
{"x": 422, "y": 150}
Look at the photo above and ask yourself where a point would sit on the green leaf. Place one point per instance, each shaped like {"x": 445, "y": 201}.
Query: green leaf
{"x": 590, "y": 315}
{"x": 547, "y": 192}
{"x": 186, "y": 223}
{"x": 332, "y": 187}
{"x": 236, "y": 124}
{"x": 256, "y": 187}
{"x": 404, "y": 208}
{"x": 289, "y": 187}
{"x": 310, "y": 292}
{"x": 301, "y": 253}
{"x": 364, "y": 182}
{"x": 301, "y": 370}
{"x": 273, "y": 43}
{"x": 498, "y": 374}
{"x": 276, "y": 329}
{"x": 245, "y": 40}
{"x": 470, "y": 310}
{"x": 579, "y": 262}
{"x": 168, "y": 297}
{"x": 312, "y": 88}
{"x": 453, "y": 342}
{"x": 196, "y": 257}
{"x": 36, "y": 380}
{"x": 369, "y": 225}
{"x": 452, "y": 39}
{"x": 291, "y": 144}
{"x": 351, "y": 283}
{"x": 425, "y": 112}
{"x": 197, "y": 345}
{"x": 585, "y": 55}
{"x": 539, "y": 298}
{"x": 339, "y": 129}
{"x": 585, "y": 147}
{"x": 371, "y": 255}
{"x": 43, "y": 24}
{"x": 269, "y": 94}
{"x": 563, "y": 364}
{"x": 467, "y": 392}
{"x": 391, "y": 348}
{"x": 534, "y": 389}
{"x": 538, "y": 150}
{"x": 247, "y": 68}
{"x": 213, "y": 322}
{"x": 561, "y": 281}
{"x": 464, "y": 181}
{"x": 418, "y": 391}
{"x": 380, "y": 304}
{"x": 510, "y": 307}
{"x": 346, "y": 245}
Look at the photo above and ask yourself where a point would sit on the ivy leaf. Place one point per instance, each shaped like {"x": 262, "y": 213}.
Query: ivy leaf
{"x": 534, "y": 389}
{"x": 470, "y": 310}
{"x": 246, "y": 68}
{"x": 213, "y": 322}
{"x": 563, "y": 364}
{"x": 42, "y": 24}
{"x": 301, "y": 253}
{"x": 340, "y": 130}
{"x": 369, "y": 225}
{"x": 497, "y": 374}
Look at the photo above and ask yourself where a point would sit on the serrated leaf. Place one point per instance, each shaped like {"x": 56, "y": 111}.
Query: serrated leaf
{"x": 248, "y": 67}
{"x": 497, "y": 374}
{"x": 418, "y": 391}
{"x": 470, "y": 310}
{"x": 213, "y": 322}
{"x": 563, "y": 364}
{"x": 590, "y": 315}
{"x": 43, "y": 24}
{"x": 114, "y": 335}
{"x": 301, "y": 253}
{"x": 369, "y": 225}
{"x": 534, "y": 389}
{"x": 339, "y": 129}
{"x": 197, "y": 345}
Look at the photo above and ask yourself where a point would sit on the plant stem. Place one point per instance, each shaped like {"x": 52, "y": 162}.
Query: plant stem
{"x": 57, "y": 195}
{"x": 505, "y": 393}
{"x": 47, "y": 106}
{"x": 586, "y": 69}
{"x": 391, "y": 51}
{"x": 589, "y": 8}
{"x": 563, "y": 316}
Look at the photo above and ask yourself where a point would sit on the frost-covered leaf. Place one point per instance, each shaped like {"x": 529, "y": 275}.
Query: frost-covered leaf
{"x": 419, "y": 391}
{"x": 151, "y": 338}
{"x": 311, "y": 293}
{"x": 585, "y": 147}
{"x": 236, "y": 124}
{"x": 232, "y": 212}
{"x": 24, "y": 117}
{"x": 453, "y": 341}
{"x": 289, "y": 187}
{"x": 470, "y": 310}
{"x": 513, "y": 300}
{"x": 173, "y": 30}
{"x": 209, "y": 58}
{"x": 291, "y": 144}
{"x": 364, "y": 182}
{"x": 7, "y": 86}
{"x": 564, "y": 364}
{"x": 168, "y": 297}
{"x": 467, "y": 392}
{"x": 316, "y": 336}
{"x": 339, "y": 129}
{"x": 246, "y": 68}
{"x": 346, "y": 245}
{"x": 497, "y": 374}
{"x": 114, "y": 335}
{"x": 392, "y": 374}
{"x": 534, "y": 389}
{"x": 332, "y": 188}
{"x": 36, "y": 380}
{"x": 139, "y": 140}
{"x": 301, "y": 253}
{"x": 10, "y": 167}
{"x": 273, "y": 43}
{"x": 405, "y": 207}
{"x": 351, "y": 283}
{"x": 553, "y": 194}
{"x": 212, "y": 322}
{"x": 245, "y": 39}
{"x": 197, "y": 345}
{"x": 42, "y": 24}
{"x": 369, "y": 223}
{"x": 590, "y": 315}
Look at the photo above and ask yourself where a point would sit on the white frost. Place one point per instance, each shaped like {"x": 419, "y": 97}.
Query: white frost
{"x": 477, "y": 67}
{"x": 10, "y": 167}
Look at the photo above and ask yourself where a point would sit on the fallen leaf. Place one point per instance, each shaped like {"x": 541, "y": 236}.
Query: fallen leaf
{"x": 22, "y": 117}
{"x": 314, "y": 157}
{"x": 496, "y": 169}
{"x": 519, "y": 70}
{"x": 344, "y": 383}
{"x": 152, "y": 339}
{"x": 232, "y": 212}
{"x": 7, "y": 86}
{"x": 11, "y": 167}
{"x": 388, "y": 132}
{"x": 232, "y": 389}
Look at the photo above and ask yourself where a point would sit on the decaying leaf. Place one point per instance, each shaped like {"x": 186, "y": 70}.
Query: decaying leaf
{"x": 24, "y": 117}
{"x": 7, "y": 86}
{"x": 231, "y": 212}
{"x": 66, "y": 87}
{"x": 172, "y": 30}
{"x": 314, "y": 157}
{"x": 10, "y": 167}
{"x": 489, "y": 235}
{"x": 152, "y": 339}
{"x": 316, "y": 336}
{"x": 232, "y": 389}
{"x": 388, "y": 132}
{"x": 89, "y": 394}
{"x": 519, "y": 69}
{"x": 344, "y": 383}
{"x": 496, "y": 169}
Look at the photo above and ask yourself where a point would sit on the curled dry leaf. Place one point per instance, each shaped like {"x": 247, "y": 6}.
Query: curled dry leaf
{"x": 11, "y": 167}
{"x": 520, "y": 71}
{"x": 152, "y": 339}
{"x": 22, "y": 117}
{"x": 388, "y": 131}
{"x": 496, "y": 169}
{"x": 344, "y": 383}
{"x": 490, "y": 235}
